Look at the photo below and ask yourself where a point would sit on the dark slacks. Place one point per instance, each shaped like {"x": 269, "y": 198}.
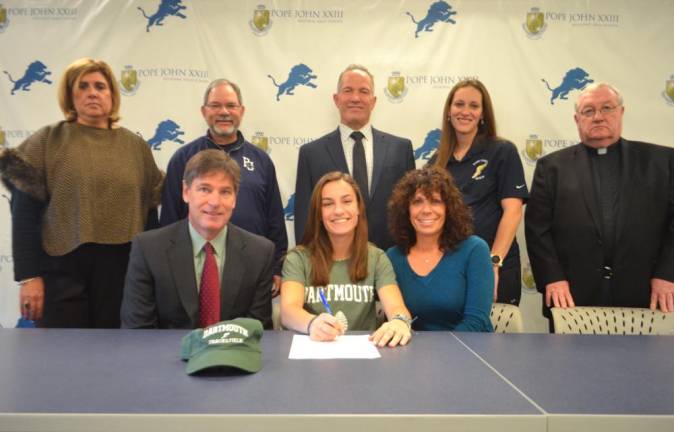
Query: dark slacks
{"x": 510, "y": 282}
{"x": 83, "y": 289}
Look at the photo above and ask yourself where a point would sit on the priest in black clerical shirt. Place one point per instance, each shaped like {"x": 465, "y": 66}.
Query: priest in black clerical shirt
{"x": 600, "y": 218}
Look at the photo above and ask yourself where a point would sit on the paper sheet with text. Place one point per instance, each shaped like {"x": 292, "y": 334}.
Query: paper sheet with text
{"x": 344, "y": 347}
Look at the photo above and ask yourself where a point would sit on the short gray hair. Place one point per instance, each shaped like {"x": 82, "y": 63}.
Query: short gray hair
{"x": 596, "y": 86}
{"x": 355, "y": 67}
{"x": 221, "y": 82}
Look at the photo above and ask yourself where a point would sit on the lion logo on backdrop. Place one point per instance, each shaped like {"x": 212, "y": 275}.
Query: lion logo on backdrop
{"x": 289, "y": 209}
{"x": 4, "y": 19}
{"x": 36, "y": 72}
{"x": 534, "y": 26}
{"x": 429, "y": 146}
{"x": 167, "y": 130}
{"x": 668, "y": 93}
{"x": 166, "y": 8}
{"x": 575, "y": 79}
{"x": 300, "y": 75}
{"x": 440, "y": 11}
{"x": 261, "y": 141}
{"x": 261, "y": 22}
{"x": 395, "y": 89}
{"x": 129, "y": 83}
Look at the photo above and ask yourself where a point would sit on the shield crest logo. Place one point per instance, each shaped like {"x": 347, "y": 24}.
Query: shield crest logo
{"x": 261, "y": 19}
{"x": 261, "y": 142}
{"x": 535, "y": 21}
{"x": 534, "y": 148}
{"x": 396, "y": 85}
{"x": 669, "y": 89}
{"x": 528, "y": 278}
{"x": 129, "y": 79}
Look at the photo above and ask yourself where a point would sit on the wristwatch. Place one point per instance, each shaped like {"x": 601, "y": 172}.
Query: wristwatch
{"x": 404, "y": 319}
{"x": 496, "y": 261}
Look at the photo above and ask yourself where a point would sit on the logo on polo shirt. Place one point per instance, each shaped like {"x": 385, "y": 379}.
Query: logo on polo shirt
{"x": 166, "y": 9}
{"x": 668, "y": 93}
{"x": 248, "y": 164}
{"x": 480, "y": 165}
{"x": 438, "y": 12}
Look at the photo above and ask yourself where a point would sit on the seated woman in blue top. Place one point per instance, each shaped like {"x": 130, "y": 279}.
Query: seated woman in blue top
{"x": 445, "y": 273}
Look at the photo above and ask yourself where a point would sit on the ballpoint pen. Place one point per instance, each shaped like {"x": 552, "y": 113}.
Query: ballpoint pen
{"x": 324, "y": 301}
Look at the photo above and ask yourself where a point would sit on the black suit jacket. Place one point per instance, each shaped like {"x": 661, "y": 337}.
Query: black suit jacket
{"x": 393, "y": 157}
{"x": 160, "y": 289}
{"x": 563, "y": 224}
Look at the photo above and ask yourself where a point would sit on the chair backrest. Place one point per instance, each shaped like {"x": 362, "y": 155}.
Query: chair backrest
{"x": 506, "y": 318}
{"x": 612, "y": 320}
{"x": 276, "y": 315}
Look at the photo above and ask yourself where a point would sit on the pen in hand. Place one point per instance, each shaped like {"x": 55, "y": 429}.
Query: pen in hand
{"x": 324, "y": 301}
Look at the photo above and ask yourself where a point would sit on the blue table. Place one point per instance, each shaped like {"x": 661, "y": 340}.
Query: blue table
{"x": 134, "y": 379}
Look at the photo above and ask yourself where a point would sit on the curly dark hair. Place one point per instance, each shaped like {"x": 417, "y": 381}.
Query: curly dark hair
{"x": 458, "y": 220}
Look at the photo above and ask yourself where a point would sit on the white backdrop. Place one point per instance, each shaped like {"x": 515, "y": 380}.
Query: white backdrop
{"x": 168, "y": 51}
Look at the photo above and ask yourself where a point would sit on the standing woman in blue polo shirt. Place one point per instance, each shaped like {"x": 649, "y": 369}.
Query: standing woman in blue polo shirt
{"x": 488, "y": 172}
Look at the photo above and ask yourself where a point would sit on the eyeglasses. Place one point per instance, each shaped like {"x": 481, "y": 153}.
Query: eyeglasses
{"x": 218, "y": 106}
{"x": 591, "y": 112}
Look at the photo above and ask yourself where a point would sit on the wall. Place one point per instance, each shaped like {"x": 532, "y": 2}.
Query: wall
{"x": 511, "y": 45}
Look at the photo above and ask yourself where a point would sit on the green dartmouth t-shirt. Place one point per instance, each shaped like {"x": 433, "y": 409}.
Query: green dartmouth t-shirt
{"x": 355, "y": 300}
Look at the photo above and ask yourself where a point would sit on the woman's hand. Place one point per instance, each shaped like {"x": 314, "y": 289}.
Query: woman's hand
{"x": 31, "y": 297}
{"x": 325, "y": 327}
{"x": 394, "y": 332}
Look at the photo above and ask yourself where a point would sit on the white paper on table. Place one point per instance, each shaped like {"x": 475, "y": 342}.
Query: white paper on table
{"x": 344, "y": 347}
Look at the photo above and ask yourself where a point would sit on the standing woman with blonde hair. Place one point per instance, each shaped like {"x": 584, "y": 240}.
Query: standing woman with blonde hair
{"x": 336, "y": 269}
{"x": 81, "y": 189}
{"x": 488, "y": 172}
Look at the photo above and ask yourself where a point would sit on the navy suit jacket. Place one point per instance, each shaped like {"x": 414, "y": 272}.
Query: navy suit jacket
{"x": 564, "y": 229}
{"x": 160, "y": 289}
{"x": 393, "y": 157}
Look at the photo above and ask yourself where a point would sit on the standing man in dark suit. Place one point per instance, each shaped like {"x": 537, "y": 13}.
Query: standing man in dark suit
{"x": 375, "y": 159}
{"x": 600, "y": 221}
{"x": 202, "y": 269}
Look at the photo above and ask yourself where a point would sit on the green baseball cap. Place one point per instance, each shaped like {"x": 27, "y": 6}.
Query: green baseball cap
{"x": 234, "y": 343}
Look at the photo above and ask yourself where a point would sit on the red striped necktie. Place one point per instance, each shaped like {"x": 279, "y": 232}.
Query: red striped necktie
{"x": 209, "y": 290}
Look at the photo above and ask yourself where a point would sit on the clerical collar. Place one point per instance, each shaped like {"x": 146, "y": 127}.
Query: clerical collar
{"x": 611, "y": 149}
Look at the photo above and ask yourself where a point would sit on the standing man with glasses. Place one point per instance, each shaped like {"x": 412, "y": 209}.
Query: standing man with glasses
{"x": 258, "y": 207}
{"x": 600, "y": 220}
{"x": 376, "y": 160}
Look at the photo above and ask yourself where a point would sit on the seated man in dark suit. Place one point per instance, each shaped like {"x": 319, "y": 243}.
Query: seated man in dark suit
{"x": 202, "y": 269}
{"x": 375, "y": 159}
